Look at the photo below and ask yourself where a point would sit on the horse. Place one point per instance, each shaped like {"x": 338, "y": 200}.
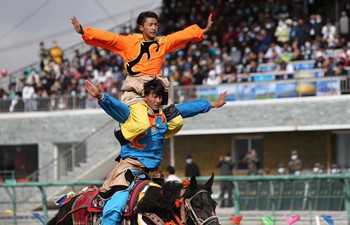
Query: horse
{"x": 171, "y": 203}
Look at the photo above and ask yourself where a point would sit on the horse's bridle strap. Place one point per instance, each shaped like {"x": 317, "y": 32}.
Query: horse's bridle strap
{"x": 154, "y": 218}
{"x": 193, "y": 214}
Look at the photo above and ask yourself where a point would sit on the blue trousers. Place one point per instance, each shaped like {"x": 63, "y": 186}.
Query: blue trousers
{"x": 114, "y": 208}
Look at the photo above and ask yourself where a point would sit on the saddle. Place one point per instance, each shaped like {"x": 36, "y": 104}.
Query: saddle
{"x": 136, "y": 194}
{"x": 88, "y": 206}
{"x": 87, "y": 203}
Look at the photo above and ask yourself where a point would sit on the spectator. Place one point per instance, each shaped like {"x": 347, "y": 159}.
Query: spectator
{"x": 343, "y": 57}
{"x": 191, "y": 168}
{"x": 3, "y": 93}
{"x": 318, "y": 26}
{"x": 318, "y": 168}
{"x": 43, "y": 55}
{"x": 14, "y": 99}
{"x": 56, "y": 53}
{"x": 282, "y": 32}
{"x": 187, "y": 78}
{"x": 330, "y": 64}
{"x": 320, "y": 61}
{"x": 226, "y": 168}
{"x": 294, "y": 164}
{"x": 328, "y": 33}
{"x": 335, "y": 169}
{"x": 301, "y": 32}
{"x": 171, "y": 174}
{"x": 251, "y": 159}
{"x": 274, "y": 51}
{"x": 281, "y": 170}
{"x": 28, "y": 95}
{"x": 198, "y": 75}
{"x": 229, "y": 74}
{"x": 213, "y": 79}
{"x": 236, "y": 55}
{"x": 344, "y": 25}
{"x": 347, "y": 168}
{"x": 339, "y": 70}
{"x": 263, "y": 40}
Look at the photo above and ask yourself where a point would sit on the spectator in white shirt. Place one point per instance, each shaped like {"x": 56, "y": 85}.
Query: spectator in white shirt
{"x": 171, "y": 174}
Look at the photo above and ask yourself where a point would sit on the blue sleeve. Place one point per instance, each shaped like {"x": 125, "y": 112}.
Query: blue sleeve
{"x": 193, "y": 108}
{"x": 116, "y": 109}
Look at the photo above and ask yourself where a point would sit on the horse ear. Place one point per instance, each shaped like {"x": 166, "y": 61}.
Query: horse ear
{"x": 209, "y": 183}
{"x": 193, "y": 182}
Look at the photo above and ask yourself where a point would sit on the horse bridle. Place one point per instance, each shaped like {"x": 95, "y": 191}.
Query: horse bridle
{"x": 187, "y": 207}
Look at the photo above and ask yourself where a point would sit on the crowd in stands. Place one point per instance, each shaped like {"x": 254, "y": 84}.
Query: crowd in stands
{"x": 245, "y": 35}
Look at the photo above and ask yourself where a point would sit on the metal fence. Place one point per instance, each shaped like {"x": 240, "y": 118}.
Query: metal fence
{"x": 269, "y": 194}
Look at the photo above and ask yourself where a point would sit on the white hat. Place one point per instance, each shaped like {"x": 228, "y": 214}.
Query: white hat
{"x": 212, "y": 73}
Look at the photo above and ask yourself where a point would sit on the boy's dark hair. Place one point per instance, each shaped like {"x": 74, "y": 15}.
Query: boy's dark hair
{"x": 170, "y": 169}
{"x": 142, "y": 17}
{"x": 154, "y": 86}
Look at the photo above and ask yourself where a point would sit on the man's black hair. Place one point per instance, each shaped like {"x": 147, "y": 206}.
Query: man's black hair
{"x": 155, "y": 86}
{"x": 141, "y": 19}
{"x": 170, "y": 169}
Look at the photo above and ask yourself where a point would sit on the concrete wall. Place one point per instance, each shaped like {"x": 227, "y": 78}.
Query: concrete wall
{"x": 47, "y": 129}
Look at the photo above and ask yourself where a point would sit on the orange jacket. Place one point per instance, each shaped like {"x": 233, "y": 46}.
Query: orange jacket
{"x": 142, "y": 57}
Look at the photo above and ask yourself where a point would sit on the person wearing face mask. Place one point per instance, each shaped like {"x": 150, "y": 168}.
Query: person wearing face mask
{"x": 335, "y": 169}
{"x": 295, "y": 164}
{"x": 317, "y": 169}
{"x": 191, "y": 168}
{"x": 251, "y": 159}
{"x": 318, "y": 25}
{"x": 281, "y": 170}
{"x": 226, "y": 168}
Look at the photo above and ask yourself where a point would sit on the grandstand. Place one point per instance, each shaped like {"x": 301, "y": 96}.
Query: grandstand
{"x": 292, "y": 96}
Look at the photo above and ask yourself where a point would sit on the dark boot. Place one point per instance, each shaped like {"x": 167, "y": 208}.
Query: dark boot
{"x": 120, "y": 137}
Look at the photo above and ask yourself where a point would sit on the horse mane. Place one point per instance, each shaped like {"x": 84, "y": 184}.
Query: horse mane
{"x": 162, "y": 198}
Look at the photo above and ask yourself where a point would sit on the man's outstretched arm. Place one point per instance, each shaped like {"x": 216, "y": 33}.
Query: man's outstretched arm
{"x": 77, "y": 26}
{"x": 195, "y": 107}
{"x": 116, "y": 109}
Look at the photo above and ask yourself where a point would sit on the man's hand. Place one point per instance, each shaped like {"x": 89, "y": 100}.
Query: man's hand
{"x": 220, "y": 101}
{"x": 77, "y": 26}
{"x": 93, "y": 90}
{"x": 209, "y": 24}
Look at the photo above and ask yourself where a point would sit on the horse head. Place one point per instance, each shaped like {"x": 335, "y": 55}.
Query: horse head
{"x": 199, "y": 207}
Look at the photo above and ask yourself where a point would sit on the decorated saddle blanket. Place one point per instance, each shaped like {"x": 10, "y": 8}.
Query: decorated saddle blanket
{"x": 86, "y": 204}
{"x": 136, "y": 194}
{"x": 86, "y": 207}
{"x": 89, "y": 200}
{"x": 89, "y": 204}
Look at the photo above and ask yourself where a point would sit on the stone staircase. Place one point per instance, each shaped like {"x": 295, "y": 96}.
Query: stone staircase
{"x": 101, "y": 150}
